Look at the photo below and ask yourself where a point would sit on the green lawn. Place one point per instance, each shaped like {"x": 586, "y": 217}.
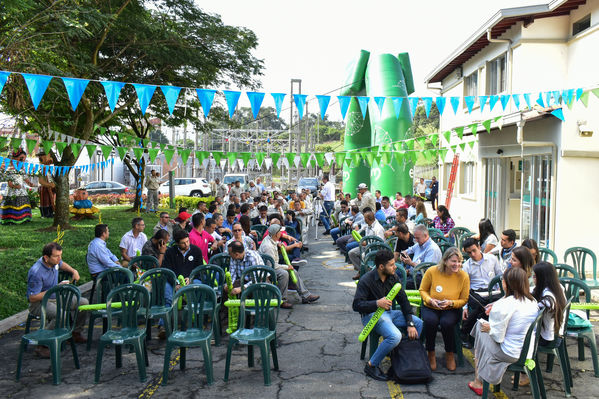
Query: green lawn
{"x": 21, "y": 246}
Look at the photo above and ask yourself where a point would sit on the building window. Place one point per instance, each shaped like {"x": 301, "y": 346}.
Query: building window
{"x": 446, "y": 174}
{"x": 471, "y": 84}
{"x": 467, "y": 178}
{"x": 581, "y": 24}
{"x": 496, "y": 75}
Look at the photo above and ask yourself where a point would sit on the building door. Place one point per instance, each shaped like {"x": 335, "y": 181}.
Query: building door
{"x": 536, "y": 198}
{"x": 495, "y": 191}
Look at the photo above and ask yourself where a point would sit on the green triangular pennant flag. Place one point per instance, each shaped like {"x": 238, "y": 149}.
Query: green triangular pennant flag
{"x": 15, "y": 143}
{"x": 106, "y": 150}
{"x": 120, "y": 136}
{"x": 348, "y": 160}
{"x": 75, "y": 149}
{"x": 48, "y": 146}
{"x": 473, "y": 128}
{"x": 369, "y": 157}
{"x": 153, "y": 153}
{"x": 162, "y": 146}
{"x": 275, "y": 158}
{"x": 459, "y": 131}
{"x": 319, "y": 156}
{"x": 434, "y": 139}
{"x": 355, "y": 157}
{"x": 260, "y": 158}
{"x": 146, "y": 142}
{"x": 184, "y": 152}
{"x": 201, "y": 156}
{"x": 139, "y": 152}
{"x": 471, "y": 144}
{"x": 595, "y": 92}
{"x": 386, "y": 157}
{"x": 463, "y": 146}
{"x": 399, "y": 156}
{"x": 290, "y": 157}
{"x": 584, "y": 97}
{"x": 168, "y": 155}
{"x": 122, "y": 152}
{"x": 416, "y": 155}
{"x": 3, "y": 141}
{"x": 246, "y": 156}
{"x": 487, "y": 125}
{"x": 386, "y": 148}
{"x": 454, "y": 148}
{"x": 447, "y": 135}
{"x": 398, "y": 146}
{"x": 443, "y": 153}
{"x": 422, "y": 142}
{"x": 91, "y": 148}
{"x": 217, "y": 157}
{"x": 410, "y": 144}
{"x": 377, "y": 158}
{"x": 305, "y": 157}
{"x": 30, "y": 145}
{"x": 339, "y": 158}
{"x": 232, "y": 157}
{"x": 428, "y": 155}
{"x": 60, "y": 146}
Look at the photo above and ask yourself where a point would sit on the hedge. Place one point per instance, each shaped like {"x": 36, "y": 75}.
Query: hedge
{"x": 182, "y": 201}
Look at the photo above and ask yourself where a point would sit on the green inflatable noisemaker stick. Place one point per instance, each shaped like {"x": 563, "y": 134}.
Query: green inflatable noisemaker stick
{"x": 584, "y": 306}
{"x": 377, "y": 315}
{"x": 286, "y": 259}
{"x": 233, "y": 312}
{"x": 250, "y": 303}
{"x": 99, "y": 306}
{"x": 356, "y": 235}
{"x": 181, "y": 280}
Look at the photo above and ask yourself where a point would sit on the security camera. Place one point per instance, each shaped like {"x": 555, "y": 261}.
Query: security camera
{"x": 499, "y": 151}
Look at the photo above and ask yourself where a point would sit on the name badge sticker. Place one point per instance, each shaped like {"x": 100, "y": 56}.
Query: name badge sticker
{"x": 439, "y": 288}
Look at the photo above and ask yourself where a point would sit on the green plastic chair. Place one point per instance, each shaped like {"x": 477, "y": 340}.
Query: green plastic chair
{"x": 433, "y": 232}
{"x": 268, "y": 260}
{"x": 263, "y": 332}
{"x": 391, "y": 242}
{"x": 260, "y": 229}
{"x": 374, "y": 247}
{"x": 106, "y": 282}
{"x": 142, "y": 264}
{"x": 580, "y": 257}
{"x": 458, "y": 235}
{"x": 495, "y": 281}
{"x": 158, "y": 278}
{"x": 63, "y": 329}
{"x": 572, "y": 288}
{"x": 535, "y": 376}
{"x": 367, "y": 263}
{"x": 135, "y": 301}
{"x": 547, "y": 255}
{"x": 561, "y": 352}
{"x": 259, "y": 274}
{"x": 291, "y": 231}
{"x": 444, "y": 246}
{"x": 401, "y": 272}
{"x": 439, "y": 240}
{"x": 420, "y": 269}
{"x": 564, "y": 270}
{"x": 200, "y": 302}
{"x": 427, "y": 222}
{"x": 369, "y": 240}
{"x": 212, "y": 276}
{"x": 222, "y": 260}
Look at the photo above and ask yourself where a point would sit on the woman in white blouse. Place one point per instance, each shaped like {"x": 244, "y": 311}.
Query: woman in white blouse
{"x": 487, "y": 237}
{"x": 499, "y": 341}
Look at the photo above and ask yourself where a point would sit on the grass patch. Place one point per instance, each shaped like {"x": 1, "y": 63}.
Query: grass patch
{"x": 21, "y": 246}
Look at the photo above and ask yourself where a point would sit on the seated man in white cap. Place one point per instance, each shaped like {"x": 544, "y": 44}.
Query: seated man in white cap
{"x": 270, "y": 246}
{"x": 368, "y": 200}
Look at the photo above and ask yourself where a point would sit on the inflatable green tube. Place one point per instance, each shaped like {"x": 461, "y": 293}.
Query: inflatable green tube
{"x": 385, "y": 78}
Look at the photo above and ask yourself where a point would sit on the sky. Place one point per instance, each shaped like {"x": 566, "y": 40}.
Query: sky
{"x": 314, "y": 40}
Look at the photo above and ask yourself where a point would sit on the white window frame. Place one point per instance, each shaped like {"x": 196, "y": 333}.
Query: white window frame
{"x": 497, "y": 81}
{"x": 467, "y": 179}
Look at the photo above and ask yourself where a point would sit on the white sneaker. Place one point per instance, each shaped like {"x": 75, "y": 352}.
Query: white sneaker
{"x": 299, "y": 262}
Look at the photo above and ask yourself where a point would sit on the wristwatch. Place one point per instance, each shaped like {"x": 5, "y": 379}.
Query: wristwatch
{"x": 411, "y": 324}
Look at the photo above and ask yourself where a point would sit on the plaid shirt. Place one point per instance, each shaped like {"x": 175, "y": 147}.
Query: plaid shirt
{"x": 251, "y": 258}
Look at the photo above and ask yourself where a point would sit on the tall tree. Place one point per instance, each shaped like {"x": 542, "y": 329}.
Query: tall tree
{"x": 159, "y": 42}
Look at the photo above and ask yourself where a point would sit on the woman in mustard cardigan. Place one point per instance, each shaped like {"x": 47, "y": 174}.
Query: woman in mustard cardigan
{"x": 444, "y": 290}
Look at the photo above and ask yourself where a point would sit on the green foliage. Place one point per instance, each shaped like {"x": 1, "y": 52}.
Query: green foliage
{"x": 191, "y": 203}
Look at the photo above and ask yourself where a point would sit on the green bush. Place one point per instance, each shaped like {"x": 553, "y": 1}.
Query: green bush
{"x": 191, "y": 203}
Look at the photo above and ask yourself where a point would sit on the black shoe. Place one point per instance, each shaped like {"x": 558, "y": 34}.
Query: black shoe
{"x": 375, "y": 372}
{"x": 326, "y": 232}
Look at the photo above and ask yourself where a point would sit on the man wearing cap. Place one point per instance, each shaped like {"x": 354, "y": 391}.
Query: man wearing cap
{"x": 270, "y": 246}
{"x": 152, "y": 184}
{"x": 182, "y": 222}
{"x": 254, "y": 190}
{"x": 328, "y": 195}
{"x": 368, "y": 200}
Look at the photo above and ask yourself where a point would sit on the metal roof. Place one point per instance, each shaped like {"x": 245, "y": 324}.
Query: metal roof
{"x": 499, "y": 23}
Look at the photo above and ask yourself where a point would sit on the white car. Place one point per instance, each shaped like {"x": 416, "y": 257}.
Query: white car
{"x": 188, "y": 186}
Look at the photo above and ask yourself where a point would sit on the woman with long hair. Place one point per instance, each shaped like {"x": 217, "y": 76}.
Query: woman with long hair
{"x": 532, "y": 246}
{"x": 420, "y": 212}
{"x": 444, "y": 291}
{"x": 246, "y": 224}
{"x": 15, "y": 207}
{"x": 549, "y": 293}
{"x": 443, "y": 220}
{"x": 498, "y": 342}
{"x": 487, "y": 238}
{"x": 522, "y": 258}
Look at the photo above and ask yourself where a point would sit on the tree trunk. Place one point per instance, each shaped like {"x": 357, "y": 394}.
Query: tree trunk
{"x": 61, "y": 211}
{"x": 139, "y": 183}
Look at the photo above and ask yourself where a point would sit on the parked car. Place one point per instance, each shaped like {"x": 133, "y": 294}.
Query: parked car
{"x": 310, "y": 183}
{"x": 105, "y": 187}
{"x": 188, "y": 186}
{"x": 242, "y": 178}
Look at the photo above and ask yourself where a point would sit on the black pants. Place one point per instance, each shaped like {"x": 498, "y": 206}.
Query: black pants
{"x": 447, "y": 319}
{"x": 434, "y": 201}
{"x": 476, "y": 310}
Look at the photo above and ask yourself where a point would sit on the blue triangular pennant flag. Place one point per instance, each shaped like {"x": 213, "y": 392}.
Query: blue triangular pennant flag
{"x": 455, "y": 103}
{"x": 493, "y": 100}
{"x": 3, "y": 76}
{"x": 397, "y": 102}
{"x": 256, "y": 99}
{"x": 206, "y": 97}
{"x": 232, "y": 98}
{"x": 428, "y": 103}
{"x": 380, "y": 102}
{"x": 558, "y": 113}
{"x": 278, "y": 98}
{"x": 344, "y": 104}
{"x": 323, "y": 103}
{"x": 440, "y": 101}
{"x": 567, "y": 95}
{"x": 469, "y": 100}
{"x": 556, "y": 97}
{"x": 300, "y": 101}
{"x": 505, "y": 99}
{"x": 144, "y": 95}
{"x": 363, "y": 101}
{"x": 37, "y": 85}
{"x": 413, "y": 102}
{"x": 113, "y": 91}
{"x": 540, "y": 100}
{"x": 482, "y": 100}
{"x": 579, "y": 92}
{"x": 75, "y": 89}
{"x": 548, "y": 98}
{"x": 527, "y": 99}
{"x": 171, "y": 94}
{"x": 516, "y": 98}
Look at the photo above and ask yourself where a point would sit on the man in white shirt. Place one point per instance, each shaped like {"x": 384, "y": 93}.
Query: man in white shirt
{"x": 255, "y": 191}
{"x": 388, "y": 210}
{"x": 133, "y": 241}
{"x": 328, "y": 195}
{"x": 421, "y": 188}
{"x": 372, "y": 228}
{"x": 236, "y": 189}
{"x": 367, "y": 200}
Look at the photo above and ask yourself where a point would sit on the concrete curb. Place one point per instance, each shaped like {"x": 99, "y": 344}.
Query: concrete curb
{"x": 21, "y": 317}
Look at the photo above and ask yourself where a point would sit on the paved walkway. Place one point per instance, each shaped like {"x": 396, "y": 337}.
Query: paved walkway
{"x": 318, "y": 356}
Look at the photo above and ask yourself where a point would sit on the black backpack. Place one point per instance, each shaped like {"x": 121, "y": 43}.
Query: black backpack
{"x": 409, "y": 363}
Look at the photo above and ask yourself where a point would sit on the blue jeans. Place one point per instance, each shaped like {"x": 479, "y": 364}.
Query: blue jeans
{"x": 328, "y": 206}
{"x": 388, "y": 327}
{"x": 335, "y": 233}
{"x": 168, "y": 296}
{"x": 351, "y": 245}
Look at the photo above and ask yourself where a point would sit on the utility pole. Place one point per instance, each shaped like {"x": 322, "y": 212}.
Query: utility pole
{"x": 299, "y": 82}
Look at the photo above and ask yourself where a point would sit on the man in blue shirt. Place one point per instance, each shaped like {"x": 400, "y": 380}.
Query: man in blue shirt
{"x": 425, "y": 249}
{"x": 42, "y": 276}
{"x": 99, "y": 257}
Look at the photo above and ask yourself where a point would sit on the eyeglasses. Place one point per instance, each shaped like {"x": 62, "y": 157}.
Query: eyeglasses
{"x": 237, "y": 230}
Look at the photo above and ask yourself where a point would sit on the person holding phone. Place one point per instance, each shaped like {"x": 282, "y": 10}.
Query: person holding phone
{"x": 156, "y": 246}
{"x": 444, "y": 291}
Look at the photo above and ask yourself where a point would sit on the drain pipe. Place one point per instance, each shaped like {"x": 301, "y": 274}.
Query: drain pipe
{"x": 520, "y": 140}
{"x": 510, "y": 57}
